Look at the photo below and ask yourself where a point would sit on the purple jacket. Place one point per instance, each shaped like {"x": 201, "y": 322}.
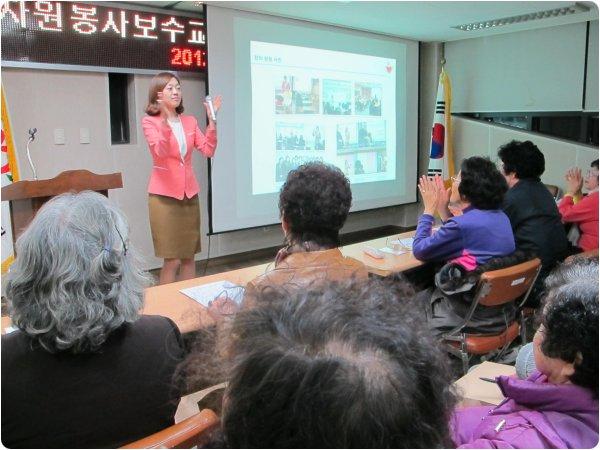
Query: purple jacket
{"x": 535, "y": 414}
{"x": 470, "y": 239}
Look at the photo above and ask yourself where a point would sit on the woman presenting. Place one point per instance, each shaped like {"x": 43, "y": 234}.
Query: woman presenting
{"x": 173, "y": 189}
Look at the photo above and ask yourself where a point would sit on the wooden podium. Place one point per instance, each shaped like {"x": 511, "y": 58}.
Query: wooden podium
{"x": 27, "y": 197}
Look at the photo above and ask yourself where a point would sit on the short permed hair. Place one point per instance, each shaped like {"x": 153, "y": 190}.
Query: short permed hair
{"x": 314, "y": 201}
{"x": 481, "y": 184}
{"x": 570, "y": 320}
{"x": 348, "y": 365}
{"x": 523, "y": 159}
{"x": 75, "y": 278}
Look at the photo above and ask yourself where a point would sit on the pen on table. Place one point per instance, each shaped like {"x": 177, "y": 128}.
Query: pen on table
{"x": 489, "y": 380}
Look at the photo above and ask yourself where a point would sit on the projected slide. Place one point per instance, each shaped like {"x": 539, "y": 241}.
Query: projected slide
{"x": 320, "y": 105}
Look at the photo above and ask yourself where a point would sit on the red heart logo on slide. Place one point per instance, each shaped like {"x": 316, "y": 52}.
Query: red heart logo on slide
{"x": 388, "y": 68}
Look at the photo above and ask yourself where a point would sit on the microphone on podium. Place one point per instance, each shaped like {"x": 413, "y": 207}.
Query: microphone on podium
{"x": 31, "y": 132}
{"x": 213, "y": 114}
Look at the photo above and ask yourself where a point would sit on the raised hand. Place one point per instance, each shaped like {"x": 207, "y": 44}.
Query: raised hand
{"x": 443, "y": 198}
{"x": 430, "y": 193}
{"x": 574, "y": 181}
{"x": 217, "y": 101}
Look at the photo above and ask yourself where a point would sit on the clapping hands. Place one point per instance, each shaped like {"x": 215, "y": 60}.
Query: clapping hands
{"x": 574, "y": 181}
{"x": 430, "y": 191}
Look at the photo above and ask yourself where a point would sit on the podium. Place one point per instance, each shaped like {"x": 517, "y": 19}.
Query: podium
{"x": 27, "y": 197}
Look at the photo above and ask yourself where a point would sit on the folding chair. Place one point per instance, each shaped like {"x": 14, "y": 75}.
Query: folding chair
{"x": 190, "y": 433}
{"x": 494, "y": 288}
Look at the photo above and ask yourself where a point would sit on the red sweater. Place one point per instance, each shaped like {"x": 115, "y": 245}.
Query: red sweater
{"x": 584, "y": 214}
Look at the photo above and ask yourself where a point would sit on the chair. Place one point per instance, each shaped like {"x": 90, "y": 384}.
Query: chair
{"x": 554, "y": 190}
{"x": 494, "y": 288}
{"x": 190, "y": 433}
{"x": 590, "y": 254}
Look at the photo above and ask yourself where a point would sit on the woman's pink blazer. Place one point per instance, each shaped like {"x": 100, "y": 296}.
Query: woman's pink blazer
{"x": 172, "y": 175}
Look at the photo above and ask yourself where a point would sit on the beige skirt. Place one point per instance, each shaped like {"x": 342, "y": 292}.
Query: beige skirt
{"x": 175, "y": 226}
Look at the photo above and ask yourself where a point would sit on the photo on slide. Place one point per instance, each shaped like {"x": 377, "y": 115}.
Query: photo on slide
{"x": 364, "y": 163}
{"x": 298, "y": 136}
{"x": 286, "y": 162}
{"x": 367, "y": 99}
{"x": 297, "y": 95}
{"x": 337, "y": 97}
{"x": 360, "y": 137}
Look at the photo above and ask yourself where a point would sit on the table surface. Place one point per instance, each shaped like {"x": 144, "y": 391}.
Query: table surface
{"x": 189, "y": 315}
{"x": 390, "y": 263}
{"x": 167, "y": 300}
{"x": 475, "y": 391}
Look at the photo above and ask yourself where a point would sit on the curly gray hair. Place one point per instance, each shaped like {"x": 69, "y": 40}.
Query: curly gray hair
{"x": 75, "y": 278}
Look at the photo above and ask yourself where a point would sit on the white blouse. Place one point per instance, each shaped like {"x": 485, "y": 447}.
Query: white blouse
{"x": 177, "y": 128}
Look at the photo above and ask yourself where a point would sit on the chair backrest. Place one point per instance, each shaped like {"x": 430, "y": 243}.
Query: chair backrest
{"x": 498, "y": 287}
{"x": 185, "y": 434}
{"x": 554, "y": 190}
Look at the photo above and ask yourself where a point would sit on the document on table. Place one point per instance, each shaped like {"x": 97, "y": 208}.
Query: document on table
{"x": 392, "y": 251}
{"x": 208, "y": 292}
{"x": 406, "y": 242}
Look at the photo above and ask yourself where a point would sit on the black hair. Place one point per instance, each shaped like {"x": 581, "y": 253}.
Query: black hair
{"x": 524, "y": 159}
{"x": 481, "y": 184}
{"x": 314, "y": 201}
{"x": 594, "y": 164}
{"x": 570, "y": 320}
{"x": 346, "y": 365}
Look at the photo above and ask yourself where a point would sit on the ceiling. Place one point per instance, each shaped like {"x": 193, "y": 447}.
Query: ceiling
{"x": 428, "y": 21}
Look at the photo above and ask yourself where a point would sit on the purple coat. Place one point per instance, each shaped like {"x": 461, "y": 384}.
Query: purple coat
{"x": 535, "y": 414}
{"x": 470, "y": 239}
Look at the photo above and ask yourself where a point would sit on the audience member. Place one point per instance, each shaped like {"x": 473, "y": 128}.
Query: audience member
{"x": 529, "y": 205}
{"x": 313, "y": 203}
{"x": 580, "y": 270}
{"x": 557, "y": 406}
{"x": 344, "y": 365}
{"x": 465, "y": 242}
{"x": 584, "y": 213}
{"x": 84, "y": 369}
{"x": 480, "y": 233}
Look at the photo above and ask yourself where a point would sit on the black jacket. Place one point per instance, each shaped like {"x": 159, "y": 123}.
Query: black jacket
{"x": 535, "y": 221}
{"x": 105, "y": 399}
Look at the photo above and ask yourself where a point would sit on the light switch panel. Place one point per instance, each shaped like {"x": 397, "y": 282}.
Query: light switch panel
{"x": 59, "y": 136}
{"x": 84, "y": 135}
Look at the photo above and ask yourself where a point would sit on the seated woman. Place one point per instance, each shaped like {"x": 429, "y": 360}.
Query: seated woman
{"x": 480, "y": 232}
{"x": 314, "y": 203}
{"x": 584, "y": 213}
{"x": 577, "y": 269}
{"x": 84, "y": 369}
{"x": 344, "y": 365}
{"x": 557, "y": 405}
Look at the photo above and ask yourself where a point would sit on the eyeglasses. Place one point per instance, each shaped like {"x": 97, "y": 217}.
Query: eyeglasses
{"x": 455, "y": 179}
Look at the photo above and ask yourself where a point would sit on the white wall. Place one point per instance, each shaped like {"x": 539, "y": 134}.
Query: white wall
{"x": 591, "y": 88}
{"x": 476, "y": 138}
{"x": 537, "y": 70}
{"x": 50, "y": 99}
